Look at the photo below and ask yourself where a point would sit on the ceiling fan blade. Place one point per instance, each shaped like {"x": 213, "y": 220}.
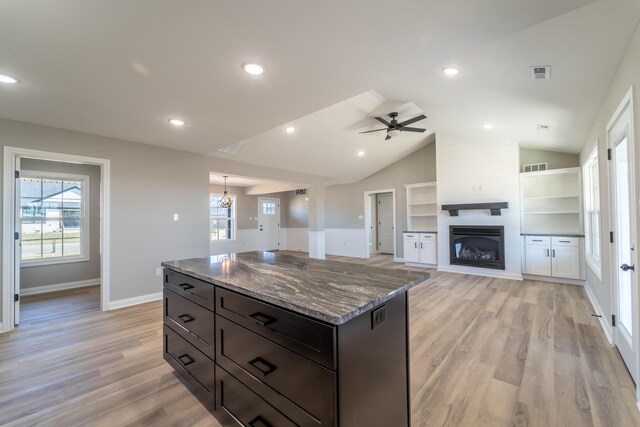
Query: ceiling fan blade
{"x": 404, "y": 129}
{"x": 415, "y": 119}
{"x": 388, "y": 137}
{"x": 383, "y": 121}
{"x": 369, "y": 131}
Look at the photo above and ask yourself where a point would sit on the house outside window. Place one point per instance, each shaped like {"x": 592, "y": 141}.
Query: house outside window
{"x": 54, "y": 221}
{"x": 223, "y": 220}
{"x": 592, "y": 211}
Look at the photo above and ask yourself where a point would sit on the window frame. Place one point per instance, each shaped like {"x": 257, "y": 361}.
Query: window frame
{"x": 233, "y": 219}
{"x": 592, "y": 205}
{"x": 85, "y": 223}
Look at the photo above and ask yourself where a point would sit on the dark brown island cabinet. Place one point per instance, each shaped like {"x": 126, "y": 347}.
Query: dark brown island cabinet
{"x": 270, "y": 340}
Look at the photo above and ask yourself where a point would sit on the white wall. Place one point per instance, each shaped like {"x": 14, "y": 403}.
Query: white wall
{"x": 492, "y": 167}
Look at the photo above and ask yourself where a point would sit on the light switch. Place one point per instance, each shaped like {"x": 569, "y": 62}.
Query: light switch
{"x": 176, "y": 217}
{"x": 158, "y": 272}
{"x": 360, "y": 216}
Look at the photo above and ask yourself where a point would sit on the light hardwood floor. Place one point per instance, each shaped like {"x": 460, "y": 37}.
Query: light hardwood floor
{"x": 485, "y": 352}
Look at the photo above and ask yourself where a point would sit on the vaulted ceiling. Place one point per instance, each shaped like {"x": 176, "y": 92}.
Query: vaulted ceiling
{"x": 121, "y": 69}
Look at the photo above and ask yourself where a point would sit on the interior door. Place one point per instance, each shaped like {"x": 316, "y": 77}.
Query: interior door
{"x": 17, "y": 252}
{"x": 385, "y": 223}
{"x": 268, "y": 224}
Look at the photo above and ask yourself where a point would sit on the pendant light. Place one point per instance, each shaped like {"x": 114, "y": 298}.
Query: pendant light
{"x": 225, "y": 200}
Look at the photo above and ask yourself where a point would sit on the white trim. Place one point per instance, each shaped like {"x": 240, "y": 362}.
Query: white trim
{"x": 367, "y": 219}
{"x": 59, "y": 287}
{"x": 128, "y": 302}
{"x": 485, "y": 272}
{"x": 421, "y": 265}
{"x": 606, "y": 327}
{"x": 10, "y": 154}
{"x": 551, "y": 279}
{"x": 234, "y": 218}
{"x": 593, "y": 262}
{"x": 398, "y": 259}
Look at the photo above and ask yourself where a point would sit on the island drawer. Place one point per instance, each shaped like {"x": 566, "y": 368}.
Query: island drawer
{"x": 244, "y": 405}
{"x": 248, "y": 356}
{"x": 202, "y": 293}
{"x": 192, "y": 365}
{"x": 305, "y": 336}
{"x": 191, "y": 321}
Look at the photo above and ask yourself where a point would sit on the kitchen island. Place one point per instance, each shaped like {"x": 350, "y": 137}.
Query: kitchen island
{"x": 267, "y": 339}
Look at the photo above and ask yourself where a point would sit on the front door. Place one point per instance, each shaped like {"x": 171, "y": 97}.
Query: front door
{"x": 623, "y": 250}
{"x": 268, "y": 224}
{"x": 385, "y": 223}
{"x": 17, "y": 251}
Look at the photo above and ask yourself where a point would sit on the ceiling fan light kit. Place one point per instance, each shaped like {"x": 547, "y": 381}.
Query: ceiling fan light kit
{"x": 394, "y": 128}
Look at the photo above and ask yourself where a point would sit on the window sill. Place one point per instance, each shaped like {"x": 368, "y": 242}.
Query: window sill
{"x": 594, "y": 264}
{"x": 222, "y": 242}
{"x": 54, "y": 261}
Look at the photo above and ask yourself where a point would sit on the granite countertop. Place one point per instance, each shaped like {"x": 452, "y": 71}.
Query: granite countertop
{"x": 330, "y": 291}
{"x": 553, "y": 234}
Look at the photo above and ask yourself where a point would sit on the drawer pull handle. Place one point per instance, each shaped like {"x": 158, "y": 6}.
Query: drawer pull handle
{"x": 536, "y": 240}
{"x": 262, "y": 319}
{"x": 262, "y": 365}
{"x": 259, "y": 422}
{"x": 564, "y": 241}
{"x": 185, "y": 286}
{"x": 185, "y": 359}
{"x": 186, "y": 318}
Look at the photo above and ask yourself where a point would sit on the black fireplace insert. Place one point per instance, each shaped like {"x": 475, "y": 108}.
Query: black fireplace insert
{"x": 477, "y": 246}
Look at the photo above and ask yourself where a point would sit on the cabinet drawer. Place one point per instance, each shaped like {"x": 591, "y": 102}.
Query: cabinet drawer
{"x": 247, "y": 355}
{"x": 197, "y": 321}
{"x": 565, "y": 241}
{"x": 193, "y": 365}
{"x": 427, "y": 237}
{"x": 200, "y": 292}
{"x": 307, "y": 337}
{"x": 538, "y": 240}
{"x": 410, "y": 236}
{"x": 244, "y": 405}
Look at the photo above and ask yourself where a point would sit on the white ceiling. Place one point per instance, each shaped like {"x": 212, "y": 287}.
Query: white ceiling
{"x": 234, "y": 181}
{"x": 121, "y": 69}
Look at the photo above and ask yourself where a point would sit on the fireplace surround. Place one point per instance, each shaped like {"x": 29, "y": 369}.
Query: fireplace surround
{"x": 477, "y": 246}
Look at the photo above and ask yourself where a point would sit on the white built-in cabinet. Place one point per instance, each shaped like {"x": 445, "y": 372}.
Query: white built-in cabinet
{"x": 552, "y": 223}
{"x": 420, "y": 248}
{"x": 420, "y": 238}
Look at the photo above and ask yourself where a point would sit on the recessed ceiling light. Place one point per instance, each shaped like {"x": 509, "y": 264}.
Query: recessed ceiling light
{"x": 487, "y": 126}
{"x": 7, "y": 79}
{"x": 290, "y": 129}
{"x": 253, "y": 69}
{"x": 176, "y": 122}
{"x": 450, "y": 71}
{"x": 360, "y": 153}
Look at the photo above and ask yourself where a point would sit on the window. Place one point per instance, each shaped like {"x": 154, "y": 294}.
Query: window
{"x": 592, "y": 211}
{"x": 223, "y": 220}
{"x": 54, "y": 221}
{"x": 269, "y": 208}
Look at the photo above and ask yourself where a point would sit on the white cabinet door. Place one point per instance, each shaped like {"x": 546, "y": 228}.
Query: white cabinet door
{"x": 411, "y": 248}
{"x": 565, "y": 262}
{"x": 537, "y": 259}
{"x": 428, "y": 252}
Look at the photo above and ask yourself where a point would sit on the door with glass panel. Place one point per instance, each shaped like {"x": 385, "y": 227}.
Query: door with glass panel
{"x": 624, "y": 247}
{"x": 268, "y": 224}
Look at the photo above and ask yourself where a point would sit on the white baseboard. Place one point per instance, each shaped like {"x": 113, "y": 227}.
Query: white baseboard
{"x": 548, "y": 279}
{"x": 480, "y": 272}
{"x": 59, "y": 287}
{"x": 398, "y": 259}
{"x": 604, "y": 324}
{"x": 127, "y": 302}
{"x": 420, "y": 265}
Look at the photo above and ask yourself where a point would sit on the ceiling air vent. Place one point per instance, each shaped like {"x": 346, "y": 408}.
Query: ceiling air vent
{"x": 543, "y": 127}
{"x": 535, "y": 167}
{"x": 541, "y": 72}
{"x": 233, "y": 148}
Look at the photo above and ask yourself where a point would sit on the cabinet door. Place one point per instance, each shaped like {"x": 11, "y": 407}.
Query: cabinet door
{"x": 411, "y": 248}
{"x": 565, "y": 262}
{"x": 538, "y": 260}
{"x": 428, "y": 252}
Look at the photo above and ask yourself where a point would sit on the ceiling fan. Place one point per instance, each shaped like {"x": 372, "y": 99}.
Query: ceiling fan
{"x": 394, "y": 128}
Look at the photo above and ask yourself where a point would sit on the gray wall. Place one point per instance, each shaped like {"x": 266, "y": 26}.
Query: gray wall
{"x": 345, "y": 203}
{"x": 148, "y": 185}
{"x": 555, "y": 159}
{"x": 297, "y": 211}
{"x": 77, "y": 271}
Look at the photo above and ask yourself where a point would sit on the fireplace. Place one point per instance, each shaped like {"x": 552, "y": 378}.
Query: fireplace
{"x": 477, "y": 246}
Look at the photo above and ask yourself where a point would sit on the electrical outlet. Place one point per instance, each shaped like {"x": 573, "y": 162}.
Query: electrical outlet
{"x": 176, "y": 217}
{"x": 158, "y": 272}
{"x": 378, "y": 316}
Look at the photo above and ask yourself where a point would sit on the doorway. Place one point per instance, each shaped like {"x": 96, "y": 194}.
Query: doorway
{"x": 48, "y": 236}
{"x": 268, "y": 224}
{"x": 380, "y": 222}
{"x": 623, "y": 249}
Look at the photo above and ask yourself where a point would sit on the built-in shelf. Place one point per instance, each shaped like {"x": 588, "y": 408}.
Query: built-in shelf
{"x": 494, "y": 207}
{"x": 570, "y": 196}
{"x": 422, "y": 206}
{"x": 551, "y": 212}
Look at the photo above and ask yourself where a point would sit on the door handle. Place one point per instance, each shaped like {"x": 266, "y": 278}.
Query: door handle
{"x": 547, "y": 253}
{"x": 415, "y": 245}
{"x": 262, "y": 319}
{"x": 186, "y": 318}
{"x": 553, "y": 253}
{"x": 625, "y": 267}
{"x": 259, "y": 422}
{"x": 185, "y": 286}
{"x": 421, "y": 247}
{"x": 185, "y": 359}
{"x": 262, "y": 365}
